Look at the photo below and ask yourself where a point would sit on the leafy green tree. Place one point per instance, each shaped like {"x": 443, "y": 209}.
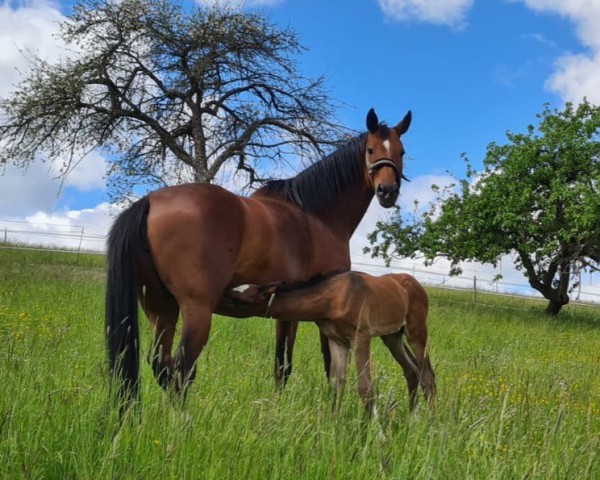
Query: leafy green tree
{"x": 537, "y": 198}
{"x": 168, "y": 94}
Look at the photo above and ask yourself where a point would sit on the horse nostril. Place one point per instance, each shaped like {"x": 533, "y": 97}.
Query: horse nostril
{"x": 383, "y": 190}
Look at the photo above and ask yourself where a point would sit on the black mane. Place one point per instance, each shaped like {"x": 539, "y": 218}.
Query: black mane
{"x": 315, "y": 187}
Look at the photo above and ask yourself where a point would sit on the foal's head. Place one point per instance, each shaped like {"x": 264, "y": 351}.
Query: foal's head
{"x": 383, "y": 153}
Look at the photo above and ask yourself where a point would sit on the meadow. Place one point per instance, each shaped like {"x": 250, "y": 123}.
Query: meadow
{"x": 518, "y": 395}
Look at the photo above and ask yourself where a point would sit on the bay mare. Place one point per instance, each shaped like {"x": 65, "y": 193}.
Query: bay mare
{"x": 350, "y": 309}
{"x": 180, "y": 248}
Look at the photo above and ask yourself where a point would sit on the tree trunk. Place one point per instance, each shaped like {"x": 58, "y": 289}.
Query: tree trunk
{"x": 558, "y": 297}
{"x": 554, "y": 307}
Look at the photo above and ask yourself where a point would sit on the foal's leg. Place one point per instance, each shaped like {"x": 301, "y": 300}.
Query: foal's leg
{"x": 408, "y": 363}
{"x": 362, "y": 349}
{"x": 416, "y": 333}
{"x": 285, "y": 336}
{"x": 339, "y": 364}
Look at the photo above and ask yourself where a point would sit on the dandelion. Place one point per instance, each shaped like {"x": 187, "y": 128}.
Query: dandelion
{"x": 156, "y": 442}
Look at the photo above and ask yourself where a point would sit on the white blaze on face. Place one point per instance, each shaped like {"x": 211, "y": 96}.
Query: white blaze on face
{"x": 386, "y": 144}
{"x": 241, "y": 288}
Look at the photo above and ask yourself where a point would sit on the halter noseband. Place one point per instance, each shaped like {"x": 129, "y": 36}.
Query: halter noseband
{"x": 385, "y": 162}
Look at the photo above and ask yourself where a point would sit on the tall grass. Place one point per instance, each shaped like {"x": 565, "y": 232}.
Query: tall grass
{"x": 518, "y": 395}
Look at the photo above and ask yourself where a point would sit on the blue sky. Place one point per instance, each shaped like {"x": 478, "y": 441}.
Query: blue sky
{"x": 465, "y": 84}
{"x": 468, "y": 69}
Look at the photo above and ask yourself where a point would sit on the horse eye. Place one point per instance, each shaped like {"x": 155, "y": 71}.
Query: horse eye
{"x": 369, "y": 151}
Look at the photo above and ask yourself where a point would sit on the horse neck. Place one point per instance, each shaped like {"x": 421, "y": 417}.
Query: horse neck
{"x": 345, "y": 212}
{"x": 305, "y": 304}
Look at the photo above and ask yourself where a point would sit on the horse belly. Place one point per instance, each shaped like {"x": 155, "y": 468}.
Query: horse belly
{"x": 388, "y": 316}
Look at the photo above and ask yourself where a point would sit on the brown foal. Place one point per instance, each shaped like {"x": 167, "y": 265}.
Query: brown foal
{"x": 350, "y": 308}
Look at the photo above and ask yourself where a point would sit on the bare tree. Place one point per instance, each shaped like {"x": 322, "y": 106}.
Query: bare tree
{"x": 168, "y": 95}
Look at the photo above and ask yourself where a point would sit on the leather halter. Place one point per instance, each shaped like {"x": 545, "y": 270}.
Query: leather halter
{"x": 385, "y": 162}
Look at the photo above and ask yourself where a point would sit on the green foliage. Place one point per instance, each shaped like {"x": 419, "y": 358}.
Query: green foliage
{"x": 538, "y": 196}
{"x": 518, "y": 395}
{"x": 170, "y": 94}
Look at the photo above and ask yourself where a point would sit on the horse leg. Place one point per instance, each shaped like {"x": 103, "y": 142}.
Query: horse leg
{"x": 363, "y": 367}
{"x": 289, "y": 352}
{"x": 194, "y": 336}
{"x": 407, "y": 361}
{"x": 285, "y": 336}
{"x": 162, "y": 311}
{"x": 416, "y": 333}
{"x": 339, "y": 364}
{"x": 159, "y": 356}
{"x": 326, "y": 354}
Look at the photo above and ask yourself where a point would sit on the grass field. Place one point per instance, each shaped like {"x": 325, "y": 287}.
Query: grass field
{"x": 518, "y": 395}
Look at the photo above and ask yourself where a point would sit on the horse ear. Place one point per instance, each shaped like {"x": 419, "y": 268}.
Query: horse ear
{"x": 372, "y": 121}
{"x": 402, "y": 127}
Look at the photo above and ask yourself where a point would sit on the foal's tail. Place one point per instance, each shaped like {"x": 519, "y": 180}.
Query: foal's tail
{"x": 126, "y": 241}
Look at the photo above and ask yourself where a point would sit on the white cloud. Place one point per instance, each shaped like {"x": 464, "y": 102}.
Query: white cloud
{"x": 86, "y": 228}
{"x": 538, "y": 37}
{"x": 439, "y": 12}
{"x": 27, "y": 28}
{"x": 30, "y": 27}
{"x": 577, "y": 75}
{"x": 418, "y": 189}
{"x": 24, "y": 192}
{"x": 87, "y": 174}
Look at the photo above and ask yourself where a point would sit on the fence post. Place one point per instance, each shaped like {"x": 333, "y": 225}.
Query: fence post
{"x": 474, "y": 289}
{"x": 5, "y": 234}
{"x": 80, "y": 242}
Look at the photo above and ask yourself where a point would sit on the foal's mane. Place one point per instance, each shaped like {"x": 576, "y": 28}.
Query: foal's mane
{"x": 314, "y": 188}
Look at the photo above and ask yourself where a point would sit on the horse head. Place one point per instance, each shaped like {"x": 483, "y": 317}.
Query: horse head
{"x": 384, "y": 153}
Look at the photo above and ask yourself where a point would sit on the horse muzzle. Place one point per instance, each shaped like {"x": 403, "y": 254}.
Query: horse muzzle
{"x": 387, "y": 194}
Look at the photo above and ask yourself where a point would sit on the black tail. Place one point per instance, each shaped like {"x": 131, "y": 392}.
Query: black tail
{"x": 127, "y": 239}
